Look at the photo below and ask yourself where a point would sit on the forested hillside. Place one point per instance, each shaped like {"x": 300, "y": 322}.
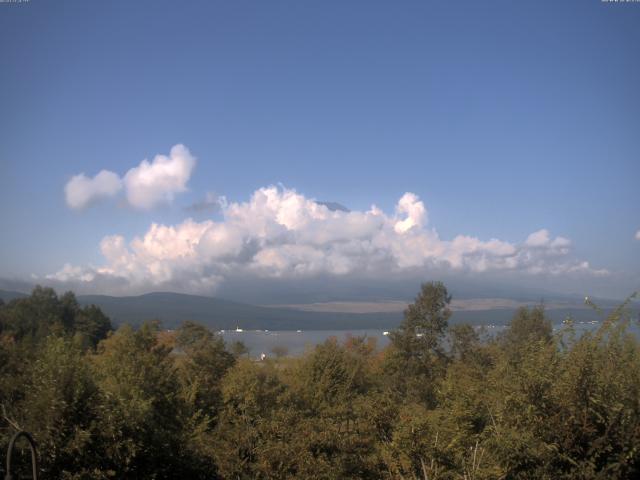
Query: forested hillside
{"x": 149, "y": 403}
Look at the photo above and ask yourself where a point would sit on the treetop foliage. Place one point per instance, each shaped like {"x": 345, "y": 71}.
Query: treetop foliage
{"x": 439, "y": 402}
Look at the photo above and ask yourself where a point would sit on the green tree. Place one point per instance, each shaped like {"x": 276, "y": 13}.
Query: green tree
{"x": 34, "y": 317}
{"x": 250, "y": 394}
{"x": 42, "y": 313}
{"x": 528, "y": 326}
{"x": 202, "y": 361}
{"x": 60, "y": 408}
{"x": 142, "y": 415}
{"x": 239, "y": 349}
{"x": 416, "y": 358}
{"x": 91, "y": 325}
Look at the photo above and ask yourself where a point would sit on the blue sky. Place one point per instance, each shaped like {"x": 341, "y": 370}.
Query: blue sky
{"x": 503, "y": 118}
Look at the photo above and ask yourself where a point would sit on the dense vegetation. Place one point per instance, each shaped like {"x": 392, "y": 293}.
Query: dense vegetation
{"x": 439, "y": 403}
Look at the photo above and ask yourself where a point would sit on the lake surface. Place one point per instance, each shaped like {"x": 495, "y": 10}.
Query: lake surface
{"x": 259, "y": 341}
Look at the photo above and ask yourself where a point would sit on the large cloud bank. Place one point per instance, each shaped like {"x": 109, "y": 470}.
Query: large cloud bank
{"x": 147, "y": 185}
{"x": 280, "y": 233}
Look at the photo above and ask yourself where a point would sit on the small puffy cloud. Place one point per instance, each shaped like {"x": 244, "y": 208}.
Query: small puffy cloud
{"x": 538, "y": 239}
{"x": 411, "y": 207}
{"x": 638, "y": 235}
{"x": 147, "y": 185}
{"x": 82, "y": 191}
{"x": 282, "y": 234}
{"x": 152, "y": 183}
{"x": 542, "y": 240}
{"x": 70, "y": 273}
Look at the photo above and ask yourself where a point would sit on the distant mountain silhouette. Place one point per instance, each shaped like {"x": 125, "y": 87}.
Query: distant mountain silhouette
{"x": 174, "y": 308}
{"x": 334, "y": 206}
{"x": 8, "y": 295}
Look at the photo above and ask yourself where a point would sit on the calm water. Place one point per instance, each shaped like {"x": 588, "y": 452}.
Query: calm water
{"x": 258, "y": 341}
{"x": 295, "y": 342}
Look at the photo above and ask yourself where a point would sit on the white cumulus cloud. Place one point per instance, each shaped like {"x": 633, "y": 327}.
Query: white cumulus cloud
{"x": 280, "y": 233}
{"x": 82, "y": 191}
{"x": 147, "y": 185}
{"x": 416, "y": 214}
{"x": 152, "y": 183}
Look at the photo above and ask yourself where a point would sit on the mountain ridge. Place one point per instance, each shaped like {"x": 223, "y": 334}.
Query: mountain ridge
{"x": 220, "y": 314}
